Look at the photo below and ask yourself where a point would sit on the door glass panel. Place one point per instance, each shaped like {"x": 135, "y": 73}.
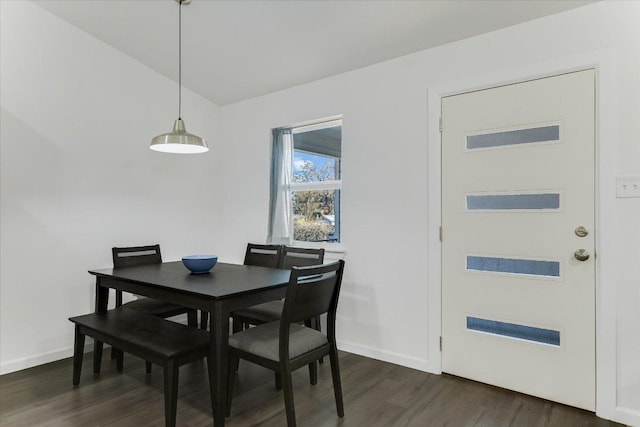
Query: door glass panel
{"x": 513, "y": 330}
{"x": 513, "y": 201}
{"x": 515, "y": 266}
{"x": 514, "y": 137}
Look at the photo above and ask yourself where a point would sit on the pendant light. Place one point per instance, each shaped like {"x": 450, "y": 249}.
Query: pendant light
{"x": 179, "y": 140}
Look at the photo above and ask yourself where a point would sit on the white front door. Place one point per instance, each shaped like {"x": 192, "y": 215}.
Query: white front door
{"x": 518, "y": 291}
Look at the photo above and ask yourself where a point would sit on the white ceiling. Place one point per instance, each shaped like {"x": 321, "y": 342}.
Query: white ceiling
{"x": 235, "y": 50}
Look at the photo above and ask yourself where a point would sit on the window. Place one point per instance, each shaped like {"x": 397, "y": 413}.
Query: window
{"x": 306, "y": 183}
{"x": 315, "y": 184}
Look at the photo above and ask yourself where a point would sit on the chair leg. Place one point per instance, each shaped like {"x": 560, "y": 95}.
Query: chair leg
{"x": 78, "y": 353}
{"x": 316, "y": 325}
{"x": 278, "y": 379}
{"x": 313, "y": 373}
{"x": 337, "y": 386}
{"x": 212, "y": 387}
{"x": 114, "y": 351}
{"x": 192, "y": 318}
{"x": 147, "y": 366}
{"x": 237, "y": 325}
{"x": 287, "y": 387}
{"x": 170, "y": 392}
{"x": 97, "y": 356}
{"x": 204, "y": 320}
{"x": 211, "y": 371}
{"x": 119, "y": 360}
{"x": 234, "y": 362}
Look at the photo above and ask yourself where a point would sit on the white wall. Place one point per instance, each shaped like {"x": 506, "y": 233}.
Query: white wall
{"x": 77, "y": 177}
{"x": 68, "y": 141}
{"x": 383, "y": 308}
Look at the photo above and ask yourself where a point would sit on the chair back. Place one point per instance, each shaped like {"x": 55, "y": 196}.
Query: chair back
{"x": 136, "y": 255}
{"x": 300, "y": 257}
{"x": 263, "y": 255}
{"x": 312, "y": 291}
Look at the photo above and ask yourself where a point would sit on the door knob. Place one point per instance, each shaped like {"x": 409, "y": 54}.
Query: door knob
{"x": 581, "y": 255}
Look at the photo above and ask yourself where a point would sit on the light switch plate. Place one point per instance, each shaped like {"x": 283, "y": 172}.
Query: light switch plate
{"x": 628, "y": 186}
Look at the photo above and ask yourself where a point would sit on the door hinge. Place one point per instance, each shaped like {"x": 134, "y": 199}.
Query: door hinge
{"x": 440, "y": 124}
{"x": 441, "y": 233}
{"x": 440, "y": 343}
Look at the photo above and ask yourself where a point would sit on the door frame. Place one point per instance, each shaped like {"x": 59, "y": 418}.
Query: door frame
{"x": 603, "y": 61}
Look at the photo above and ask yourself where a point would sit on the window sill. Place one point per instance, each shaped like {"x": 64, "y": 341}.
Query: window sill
{"x": 332, "y": 250}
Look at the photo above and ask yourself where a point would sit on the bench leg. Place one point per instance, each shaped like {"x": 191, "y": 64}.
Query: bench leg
{"x": 97, "y": 356}
{"x": 170, "y": 392}
{"x": 148, "y": 367}
{"x": 78, "y": 354}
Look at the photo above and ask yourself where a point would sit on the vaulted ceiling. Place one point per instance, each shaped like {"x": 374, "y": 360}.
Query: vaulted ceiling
{"x": 236, "y": 50}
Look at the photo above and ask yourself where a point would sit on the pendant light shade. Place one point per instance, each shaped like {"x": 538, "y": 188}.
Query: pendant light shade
{"x": 179, "y": 140}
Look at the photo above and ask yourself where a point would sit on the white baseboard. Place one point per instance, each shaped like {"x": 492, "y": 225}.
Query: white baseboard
{"x": 628, "y": 416}
{"x": 41, "y": 359}
{"x": 53, "y": 356}
{"x": 59, "y": 354}
{"x": 386, "y": 356}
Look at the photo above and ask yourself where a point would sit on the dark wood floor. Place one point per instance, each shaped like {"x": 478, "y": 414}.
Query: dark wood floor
{"x": 375, "y": 394}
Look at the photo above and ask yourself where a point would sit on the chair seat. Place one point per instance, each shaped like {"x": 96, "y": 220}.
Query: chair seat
{"x": 155, "y": 307}
{"x": 263, "y": 340}
{"x": 262, "y": 313}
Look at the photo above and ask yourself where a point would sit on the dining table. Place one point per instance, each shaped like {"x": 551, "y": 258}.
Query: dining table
{"x": 227, "y": 287}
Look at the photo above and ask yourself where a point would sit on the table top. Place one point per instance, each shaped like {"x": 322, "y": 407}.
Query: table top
{"x": 223, "y": 281}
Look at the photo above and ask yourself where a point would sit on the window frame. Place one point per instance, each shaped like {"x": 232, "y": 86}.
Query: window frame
{"x": 335, "y": 184}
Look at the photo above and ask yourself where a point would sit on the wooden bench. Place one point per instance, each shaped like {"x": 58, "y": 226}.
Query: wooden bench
{"x": 151, "y": 338}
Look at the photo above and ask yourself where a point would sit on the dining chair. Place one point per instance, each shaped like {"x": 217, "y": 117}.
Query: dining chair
{"x": 258, "y": 255}
{"x": 285, "y": 345}
{"x": 263, "y": 255}
{"x": 142, "y": 255}
{"x": 272, "y": 310}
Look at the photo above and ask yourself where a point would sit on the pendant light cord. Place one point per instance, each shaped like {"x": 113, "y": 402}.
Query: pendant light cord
{"x": 180, "y": 60}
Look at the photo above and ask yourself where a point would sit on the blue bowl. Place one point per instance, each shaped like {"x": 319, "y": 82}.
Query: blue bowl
{"x": 199, "y": 264}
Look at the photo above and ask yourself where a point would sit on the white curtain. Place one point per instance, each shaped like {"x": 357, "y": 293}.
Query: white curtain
{"x": 280, "y": 201}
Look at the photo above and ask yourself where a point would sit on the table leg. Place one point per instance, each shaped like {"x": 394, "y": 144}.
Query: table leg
{"x": 218, "y": 359}
{"x": 102, "y": 300}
